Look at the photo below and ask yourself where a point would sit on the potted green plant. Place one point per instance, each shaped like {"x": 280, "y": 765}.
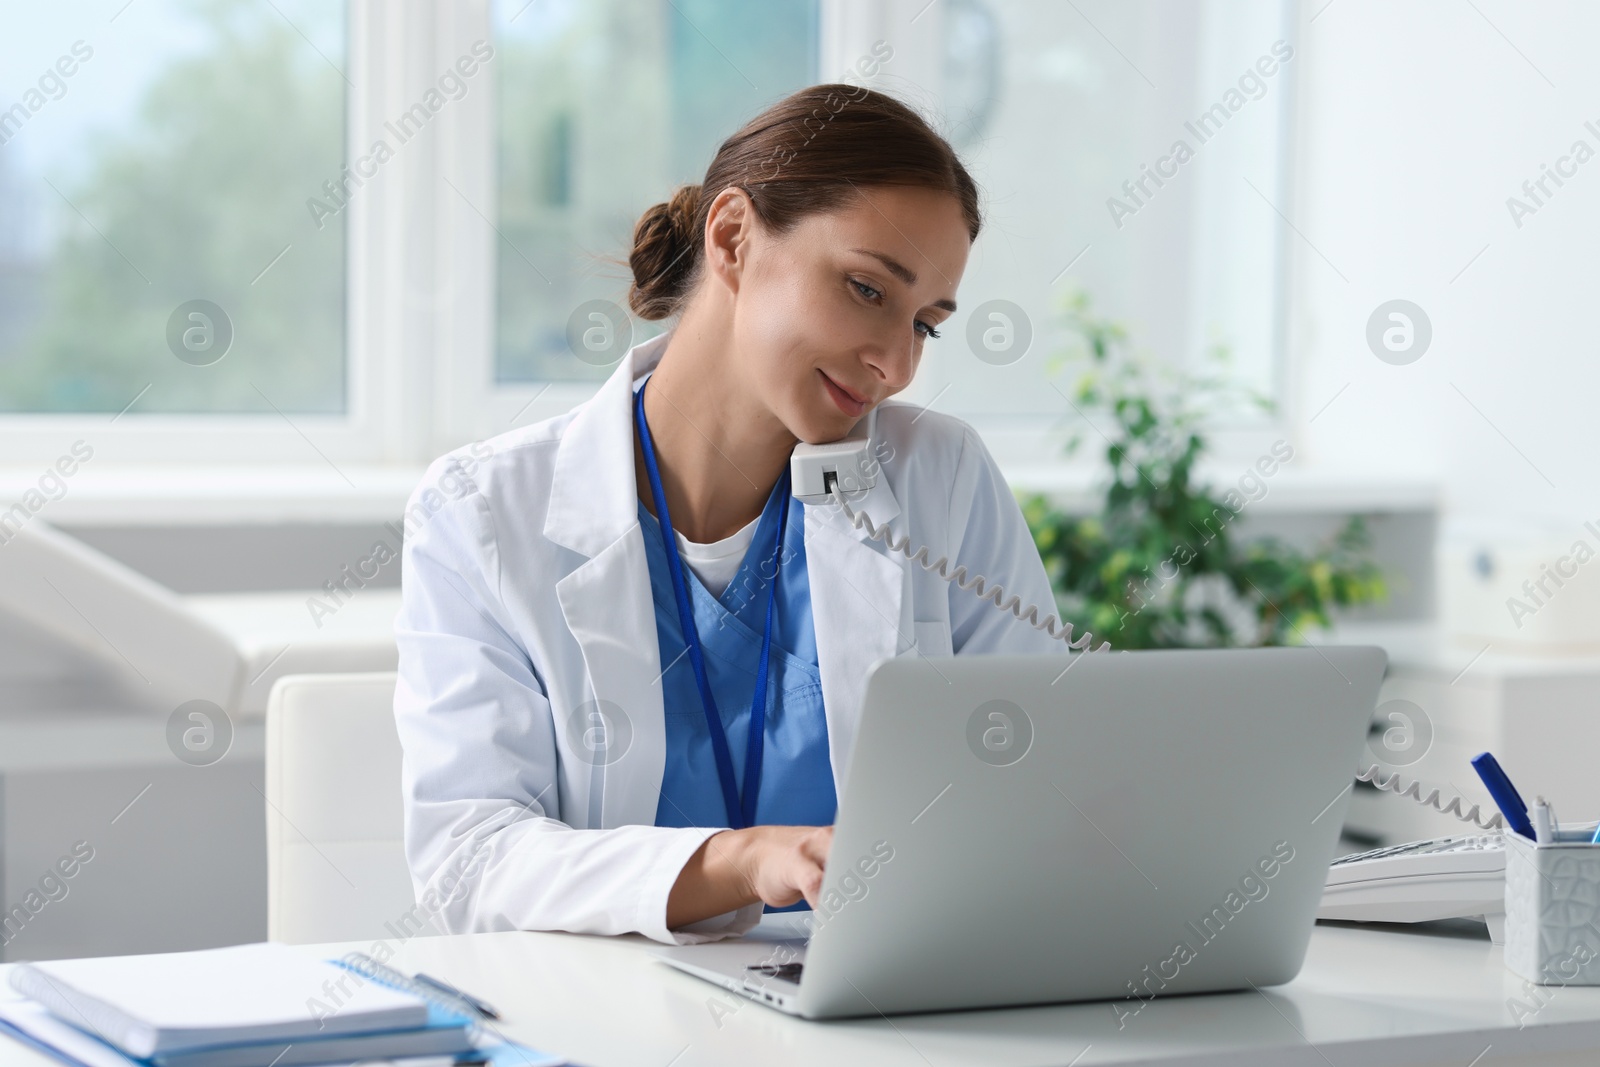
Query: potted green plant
{"x": 1160, "y": 565}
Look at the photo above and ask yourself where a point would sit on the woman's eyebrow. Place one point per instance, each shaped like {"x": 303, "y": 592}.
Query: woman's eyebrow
{"x": 904, "y": 273}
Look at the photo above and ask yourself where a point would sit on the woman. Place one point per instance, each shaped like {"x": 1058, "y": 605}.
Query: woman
{"x": 631, "y": 665}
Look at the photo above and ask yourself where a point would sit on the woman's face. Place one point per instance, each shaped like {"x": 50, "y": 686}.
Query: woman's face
{"x": 830, "y": 319}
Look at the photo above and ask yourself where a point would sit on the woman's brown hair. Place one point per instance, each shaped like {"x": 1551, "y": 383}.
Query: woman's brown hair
{"x": 808, "y": 153}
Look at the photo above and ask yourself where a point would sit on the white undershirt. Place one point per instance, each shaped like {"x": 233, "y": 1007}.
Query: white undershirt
{"x": 716, "y": 564}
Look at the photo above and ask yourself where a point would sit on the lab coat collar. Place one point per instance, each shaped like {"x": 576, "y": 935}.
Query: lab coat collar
{"x": 593, "y": 492}
{"x": 594, "y": 498}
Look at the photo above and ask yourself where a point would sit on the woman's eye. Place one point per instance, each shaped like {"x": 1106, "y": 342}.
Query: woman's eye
{"x": 872, "y": 294}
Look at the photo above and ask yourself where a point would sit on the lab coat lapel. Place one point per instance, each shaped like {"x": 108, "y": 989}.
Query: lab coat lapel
{"x": 607, "y": 606}
{"x": 606, "y": 601}
{"x": 856, "y": 606}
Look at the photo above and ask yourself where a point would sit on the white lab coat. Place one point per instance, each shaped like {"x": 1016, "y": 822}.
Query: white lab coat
{"x": 527, "y": 605}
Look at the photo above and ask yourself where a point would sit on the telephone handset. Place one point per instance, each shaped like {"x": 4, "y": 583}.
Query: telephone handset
{"x": 822, "y": 474}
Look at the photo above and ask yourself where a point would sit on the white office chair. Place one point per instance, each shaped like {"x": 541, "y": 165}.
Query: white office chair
{"x": 336, "y": 865}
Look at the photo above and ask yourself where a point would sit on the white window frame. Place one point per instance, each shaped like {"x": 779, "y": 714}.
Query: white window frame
{"x": 471, "y": 404}
{"x": 389, "y": 414}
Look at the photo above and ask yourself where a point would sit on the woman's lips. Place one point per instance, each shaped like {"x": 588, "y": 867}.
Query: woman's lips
{"x": 848, "y": 402}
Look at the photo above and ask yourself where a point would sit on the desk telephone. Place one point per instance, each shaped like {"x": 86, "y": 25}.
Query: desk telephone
{"x": 1448, "y": 877}
{"x": 1444, "y": 878}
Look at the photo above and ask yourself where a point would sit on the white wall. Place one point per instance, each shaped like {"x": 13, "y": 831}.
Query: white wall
{"x": 1418, "y": 121}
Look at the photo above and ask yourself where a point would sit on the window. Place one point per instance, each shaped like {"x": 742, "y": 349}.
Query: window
{"x": 1053, "y": 106}
{"x": 1062, "y": 112}
{"x": 156, "y": 162}
{"x": 383, "y": 312}
{"x": 604, "y": 108}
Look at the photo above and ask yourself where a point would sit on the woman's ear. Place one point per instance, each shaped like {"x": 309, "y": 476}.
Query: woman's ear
{"x": 730, "y": 223}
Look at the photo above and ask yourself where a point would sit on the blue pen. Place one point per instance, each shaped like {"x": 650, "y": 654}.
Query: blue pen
{"x": 1506, "y": 797}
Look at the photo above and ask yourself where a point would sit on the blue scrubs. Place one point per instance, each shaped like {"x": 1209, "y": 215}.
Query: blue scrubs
{"x": 796, "y": 773}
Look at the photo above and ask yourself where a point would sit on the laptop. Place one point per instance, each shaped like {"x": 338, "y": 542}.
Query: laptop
{"x": 1040, "y": 829}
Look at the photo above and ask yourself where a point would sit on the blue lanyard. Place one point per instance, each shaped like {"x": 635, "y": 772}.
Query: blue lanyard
{"x": 741, "y": 809}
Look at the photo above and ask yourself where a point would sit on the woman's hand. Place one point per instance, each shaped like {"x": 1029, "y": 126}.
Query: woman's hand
{"x": 785, "y": 862}
{"x": 776, "y": 865}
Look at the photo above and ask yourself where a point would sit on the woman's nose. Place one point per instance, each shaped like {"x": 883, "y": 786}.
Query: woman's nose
{"x": 894, "y": 361}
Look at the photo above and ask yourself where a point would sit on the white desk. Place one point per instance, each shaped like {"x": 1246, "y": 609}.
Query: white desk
{"x": 1369, "y": 997}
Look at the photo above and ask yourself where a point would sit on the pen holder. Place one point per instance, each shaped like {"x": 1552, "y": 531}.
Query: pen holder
{"x": 1553, "y": 909}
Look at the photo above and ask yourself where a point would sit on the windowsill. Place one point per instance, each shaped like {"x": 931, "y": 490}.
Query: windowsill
{"x": 202, "y": 495}
{"x": 173, "y": 495}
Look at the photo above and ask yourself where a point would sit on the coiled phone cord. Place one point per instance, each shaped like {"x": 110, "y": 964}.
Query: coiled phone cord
{"x": 978, "y": 585}
{"x": 995, "y": 594}
{"x": 1414, "y": 791}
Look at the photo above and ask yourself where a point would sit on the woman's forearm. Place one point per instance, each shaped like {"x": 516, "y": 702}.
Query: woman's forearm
{"x": 718, "y": 878}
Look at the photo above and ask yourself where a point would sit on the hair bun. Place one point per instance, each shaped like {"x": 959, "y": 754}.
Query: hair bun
{"x": 662, "y": 239}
